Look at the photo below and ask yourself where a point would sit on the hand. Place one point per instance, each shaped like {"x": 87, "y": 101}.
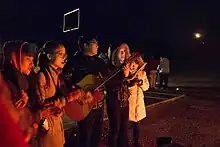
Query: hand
{"x": 24, "y": 96}
{"x": 126, "y": 70}
{"x": 30, "y": 132}
{"x": 45, "y": 112}
{"x": 137, "y": 82}
{"x": 75, "y": 95}
{"x": 88, "y": 97}
{"x": 20, "y": 104}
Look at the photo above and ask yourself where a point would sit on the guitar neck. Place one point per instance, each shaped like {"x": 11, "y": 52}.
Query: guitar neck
{"x": 106, "y": 79}
{"x": 116, "y": 71}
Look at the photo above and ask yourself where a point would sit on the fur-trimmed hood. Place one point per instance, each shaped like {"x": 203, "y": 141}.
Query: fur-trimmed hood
{"x": 114, "y": 58}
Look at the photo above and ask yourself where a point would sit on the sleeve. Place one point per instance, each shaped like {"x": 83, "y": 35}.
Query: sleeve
{"x": 16, "y": 100}
{"x": 8, "y": 127}
{"x": 62, "y": 94}
{"x": 145, "y": 85}
{"x": 40, "y": 88}
{"x": 68, "y": 73}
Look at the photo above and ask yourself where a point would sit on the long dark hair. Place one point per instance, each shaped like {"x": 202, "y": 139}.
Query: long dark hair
{"x": 48, "y": 48}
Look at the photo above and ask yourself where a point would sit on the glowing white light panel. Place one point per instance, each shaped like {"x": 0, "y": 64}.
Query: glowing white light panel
{"x": 71, "y": 20}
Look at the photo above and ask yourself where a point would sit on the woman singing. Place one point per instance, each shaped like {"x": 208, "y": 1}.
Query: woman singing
{"x": 51, "y": 63}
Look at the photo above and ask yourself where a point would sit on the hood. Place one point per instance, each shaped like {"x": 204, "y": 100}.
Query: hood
{"x": 114, "y": 58}
{"x": 13, "y": 53}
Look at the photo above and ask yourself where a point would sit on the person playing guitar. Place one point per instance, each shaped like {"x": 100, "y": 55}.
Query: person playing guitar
{"x": 84, "y": 63}
{"x": 19, "y": 58}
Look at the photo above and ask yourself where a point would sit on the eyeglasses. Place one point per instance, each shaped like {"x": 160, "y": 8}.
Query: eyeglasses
{"x": 61, "y": 55}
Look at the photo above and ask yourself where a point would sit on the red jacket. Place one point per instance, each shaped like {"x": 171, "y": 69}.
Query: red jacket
{"x": 10, "y": 132}
{"x": 152, "y": 64}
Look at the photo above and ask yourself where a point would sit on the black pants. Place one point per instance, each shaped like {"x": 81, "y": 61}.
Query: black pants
{"x": 118, "y": 122}
{"x": 136, "y": 131}
{"x": 90, "y": 128}
{"x": 163, "y": 79}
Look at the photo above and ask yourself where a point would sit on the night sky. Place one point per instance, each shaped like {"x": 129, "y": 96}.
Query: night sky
{"x": 164, "y": 26}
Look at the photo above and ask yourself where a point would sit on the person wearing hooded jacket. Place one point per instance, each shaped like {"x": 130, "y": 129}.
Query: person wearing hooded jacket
{"x": 19, "y": 58}
{"x": 117, "y": 99}
{"x": 84, "y": 63}
{"x": 9, "y": 120}
{"x": 137, "y": 110}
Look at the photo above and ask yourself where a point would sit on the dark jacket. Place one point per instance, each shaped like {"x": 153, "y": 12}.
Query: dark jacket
{"x": 152, "y": 64}
{"x": 117, "y": 90}
{"x": 117, "y": 87}
{"x": 80, "y": 66}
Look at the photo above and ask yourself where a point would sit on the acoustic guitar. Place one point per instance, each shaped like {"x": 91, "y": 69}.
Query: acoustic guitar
{"x": 78, "y": 110}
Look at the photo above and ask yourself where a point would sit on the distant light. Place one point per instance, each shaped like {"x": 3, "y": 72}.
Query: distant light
{"x": 197, "y": 35}
{"x": 177, "y": 89}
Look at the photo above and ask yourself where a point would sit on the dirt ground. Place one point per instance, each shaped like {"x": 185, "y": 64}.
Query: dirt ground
{"x": 190, "y": 122}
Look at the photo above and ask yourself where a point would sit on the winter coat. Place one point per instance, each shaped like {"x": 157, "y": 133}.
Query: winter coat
{"x": 137, "y": 109}
{"x": 46, "y": 88}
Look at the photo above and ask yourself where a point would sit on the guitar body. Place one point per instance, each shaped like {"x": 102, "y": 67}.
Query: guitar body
{"x": 76, "y": 111}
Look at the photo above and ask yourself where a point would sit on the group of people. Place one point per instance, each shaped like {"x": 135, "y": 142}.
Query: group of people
{"x": 158, "y": 70}
{"x": 43, "y": 90}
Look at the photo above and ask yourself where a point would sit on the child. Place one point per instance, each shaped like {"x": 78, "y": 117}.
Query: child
{"x": 51, "y": 62}
{"x": 137, "y": 110}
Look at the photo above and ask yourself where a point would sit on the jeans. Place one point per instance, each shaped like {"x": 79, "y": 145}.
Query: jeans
{"x": 118, "y": 122}
{"x": 90, "y": 128}
{"x": 164, "y": 79}
{"x": 136, "y": 131}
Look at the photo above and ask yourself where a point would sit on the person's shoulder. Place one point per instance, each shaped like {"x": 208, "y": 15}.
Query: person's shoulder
{"x": 41, "y": 74}
{"x": 78, "y": 55}
{"x": 100, "y": 60}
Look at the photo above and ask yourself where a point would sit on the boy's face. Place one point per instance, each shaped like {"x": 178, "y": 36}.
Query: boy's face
{"x": 27, "y": 63}
{"x": 92, "y": 47}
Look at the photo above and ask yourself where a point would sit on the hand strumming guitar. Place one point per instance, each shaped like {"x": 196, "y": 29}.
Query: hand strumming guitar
{"x": 88, "y": 97}
{"x": 78, "y": 94}
{"x": 75, "y": 94}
